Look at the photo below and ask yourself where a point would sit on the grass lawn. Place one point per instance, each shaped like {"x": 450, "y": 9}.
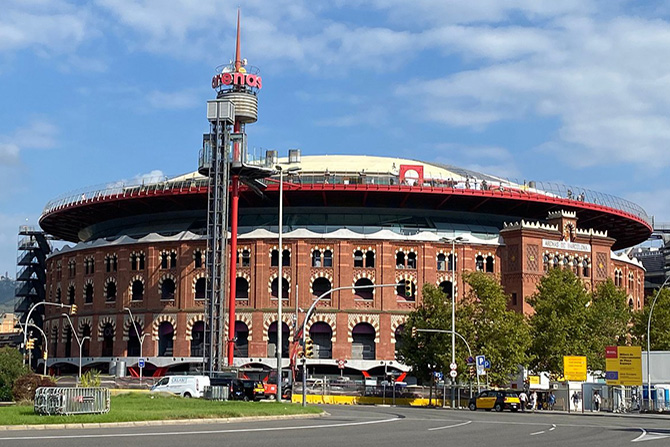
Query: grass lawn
{"x": 147, "y": 407}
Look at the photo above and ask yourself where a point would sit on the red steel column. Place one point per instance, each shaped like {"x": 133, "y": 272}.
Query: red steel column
{"x": 233, "y": 268}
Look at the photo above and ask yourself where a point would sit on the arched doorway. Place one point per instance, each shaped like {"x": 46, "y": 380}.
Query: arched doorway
{"x": 198, "y": 339}
{"x": 321, "y": 334}
{"x": 242, "y": 339}
{"x": 108, "y": 340}
{"x": 363, "y": 345}
{"x": 165, "y": 339}
{"x": 272, "y": 340}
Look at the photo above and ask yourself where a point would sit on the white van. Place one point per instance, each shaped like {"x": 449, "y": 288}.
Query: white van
{"x": 185, "y": 386}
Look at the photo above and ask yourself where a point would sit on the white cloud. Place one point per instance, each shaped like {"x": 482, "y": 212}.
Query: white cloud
{"x": 38, "y": 134}
{"x": 49, "y": 26}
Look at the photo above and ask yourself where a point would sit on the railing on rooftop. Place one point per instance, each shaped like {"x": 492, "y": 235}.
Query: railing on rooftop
{"x": 503, "y": 187}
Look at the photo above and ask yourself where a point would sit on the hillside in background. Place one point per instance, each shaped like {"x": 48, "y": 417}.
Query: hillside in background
{"x": 7, "y": 287}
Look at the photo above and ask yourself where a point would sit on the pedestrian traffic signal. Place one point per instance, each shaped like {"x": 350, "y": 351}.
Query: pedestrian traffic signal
{"x": 309, "y": 348}
{"x": 30, "y": 344}
{"x": 44, "y": 355}
{"x": 73, "y": 309}
{"x": 408, "y": 288}
{"x": 413, "y": 332}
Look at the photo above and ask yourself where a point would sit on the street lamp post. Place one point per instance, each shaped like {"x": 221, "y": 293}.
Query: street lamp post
{"x": 453, "y": 308}
{"x": 140, "y": 338}
{"x": 280, "y": 323}
{"x": 79, "y": 342}
{"x": 43, "y": 303}
{"x": 308, "y": 316}
{"x": 651, "y": 309}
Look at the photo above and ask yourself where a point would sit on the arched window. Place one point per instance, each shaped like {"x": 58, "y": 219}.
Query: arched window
{"x": 545, "y": 262}
{"x": 630, "y": 303}
{"x": 70, "y": 295}
{"x": 197, "y": 259}
{"x": 110, "y": 292}
{"x": 200, "y": 287}
{"x": 137, "y": 293}
{"x": 489, "y": 264}
{"x": 400, "y": 260}
{"x": 321, "y": 334}
{"x": 365, "y": 293}
{"x": 557, "y": 262}
{"x": 167, "y": 289}
{"x": 321, "y": 286}
{"x": 447, "y": 288}
{"x": 363, "y": 345}
{"x": 479, "y": 263}
{"x": 411, "y": 260}
{"x": 631, "y": 282}
{"x": 274, "y": 258}
{"x": 88, "y": 293}
{"x": 242, "y": 340}
{"x": 111, "y": 263}
{"x": 316, "y": 258}
{"x": 272, "y": 340}
{"x": 244, "y": 258}
{"x": 327, "y": 258}
{"x": 108, "y": 340}
{"x": 165, "y": 339}
{"x": 369, "y": 259}
{"x": 59, "y": 298}
{"x": 441, "y": 262}
{"x": 358, "y": 258}
{"x": 198, "y": 339}
{"x": 241, "y": 288}
{"x": 164, "y": 260}
{"x": 137, "y": 261}
{"x": 286, "y": 258}
{"x": 274, "y": 288}
{"x": 585, "y": 268}
{"x": 173, "y": 260}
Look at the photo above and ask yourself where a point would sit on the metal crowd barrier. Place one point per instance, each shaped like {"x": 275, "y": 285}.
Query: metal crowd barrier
{"x": 66, "y": 401}
{"x": 216, "y": 393}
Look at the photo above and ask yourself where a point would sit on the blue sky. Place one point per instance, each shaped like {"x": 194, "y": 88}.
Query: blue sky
{"x": 574, "y": 91}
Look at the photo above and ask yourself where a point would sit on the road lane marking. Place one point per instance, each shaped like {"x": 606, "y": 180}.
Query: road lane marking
{"x": 553, "y": 427}
{"x": 450, "y": 426}
{"x": 650, "y": 436}
{"x": 199, "y": 432}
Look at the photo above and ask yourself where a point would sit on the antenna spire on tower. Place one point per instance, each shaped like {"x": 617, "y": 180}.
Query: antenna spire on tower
{"x": 238, "y": 58}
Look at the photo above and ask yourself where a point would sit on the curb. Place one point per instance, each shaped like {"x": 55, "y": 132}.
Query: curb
{"x": 160, "y": 422}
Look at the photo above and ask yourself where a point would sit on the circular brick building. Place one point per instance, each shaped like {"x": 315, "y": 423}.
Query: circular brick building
{"x": 138, "y": 249}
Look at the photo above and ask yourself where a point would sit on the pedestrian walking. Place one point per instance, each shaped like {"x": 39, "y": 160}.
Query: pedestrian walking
{"x": 596, "y": 401}
{"x": 551, "y": 401}
{"x": 523, "y": 398}
{"x": 533, "y": 401}
{"x": 575, "y": 400}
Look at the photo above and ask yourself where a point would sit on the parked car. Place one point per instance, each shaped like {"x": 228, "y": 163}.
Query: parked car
{"x": 497, "y": 400}
{"x": 185, "y": 386}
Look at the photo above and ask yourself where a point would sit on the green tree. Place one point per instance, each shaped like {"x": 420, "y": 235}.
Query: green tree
{"x": 502, "y": 335}
{"x": 560, "y": 324}
{"x": 608, "y": 317}
{"x": 427, "y": 352}
{"x": 11, "y": 368}
{"x": 660, "y": 323}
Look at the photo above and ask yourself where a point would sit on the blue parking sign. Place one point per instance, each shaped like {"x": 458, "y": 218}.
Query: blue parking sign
{"x": 140, "y": 363}
{"x": 487, "y": 364}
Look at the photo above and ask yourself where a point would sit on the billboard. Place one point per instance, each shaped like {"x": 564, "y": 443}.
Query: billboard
{"x": 623, "y": 365}
{"x": 574, "y": 368}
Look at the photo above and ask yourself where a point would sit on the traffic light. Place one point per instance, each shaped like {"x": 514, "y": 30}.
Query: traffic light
{"x": 73, "y": 309}
{"x": 413, "y": 332}
{"x": 30, "y": 344}
{"x": 309, "y": 348}
{"x": 408, "y": 288}
{"x": 44, "y": 355}
{"x": 300, "y": 353}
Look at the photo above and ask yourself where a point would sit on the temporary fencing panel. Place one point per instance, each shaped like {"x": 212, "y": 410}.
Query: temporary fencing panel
{"x": 216, "y": 392}
{"x": 56, "y": 400}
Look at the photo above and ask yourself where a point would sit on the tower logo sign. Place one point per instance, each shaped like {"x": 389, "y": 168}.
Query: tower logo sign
{"x": 237, "y": 78}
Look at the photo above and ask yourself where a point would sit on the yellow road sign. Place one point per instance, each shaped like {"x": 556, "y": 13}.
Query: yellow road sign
{"x": 574, "y": 368}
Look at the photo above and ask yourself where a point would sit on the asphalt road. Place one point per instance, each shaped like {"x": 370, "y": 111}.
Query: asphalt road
{"x": 374, "y": 426}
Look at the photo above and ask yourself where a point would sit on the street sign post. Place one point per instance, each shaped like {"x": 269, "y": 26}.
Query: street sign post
{"x": 453, "y": 373}
{"x": 453, "y": 366}
{"x": 481, "y": 361}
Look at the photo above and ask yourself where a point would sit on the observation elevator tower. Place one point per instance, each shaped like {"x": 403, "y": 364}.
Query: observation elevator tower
{"x": 224, "y": 160}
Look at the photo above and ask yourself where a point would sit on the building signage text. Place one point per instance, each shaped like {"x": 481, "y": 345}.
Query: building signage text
{"x": 565, "y": 245}
{"x": 237, "y": 79}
